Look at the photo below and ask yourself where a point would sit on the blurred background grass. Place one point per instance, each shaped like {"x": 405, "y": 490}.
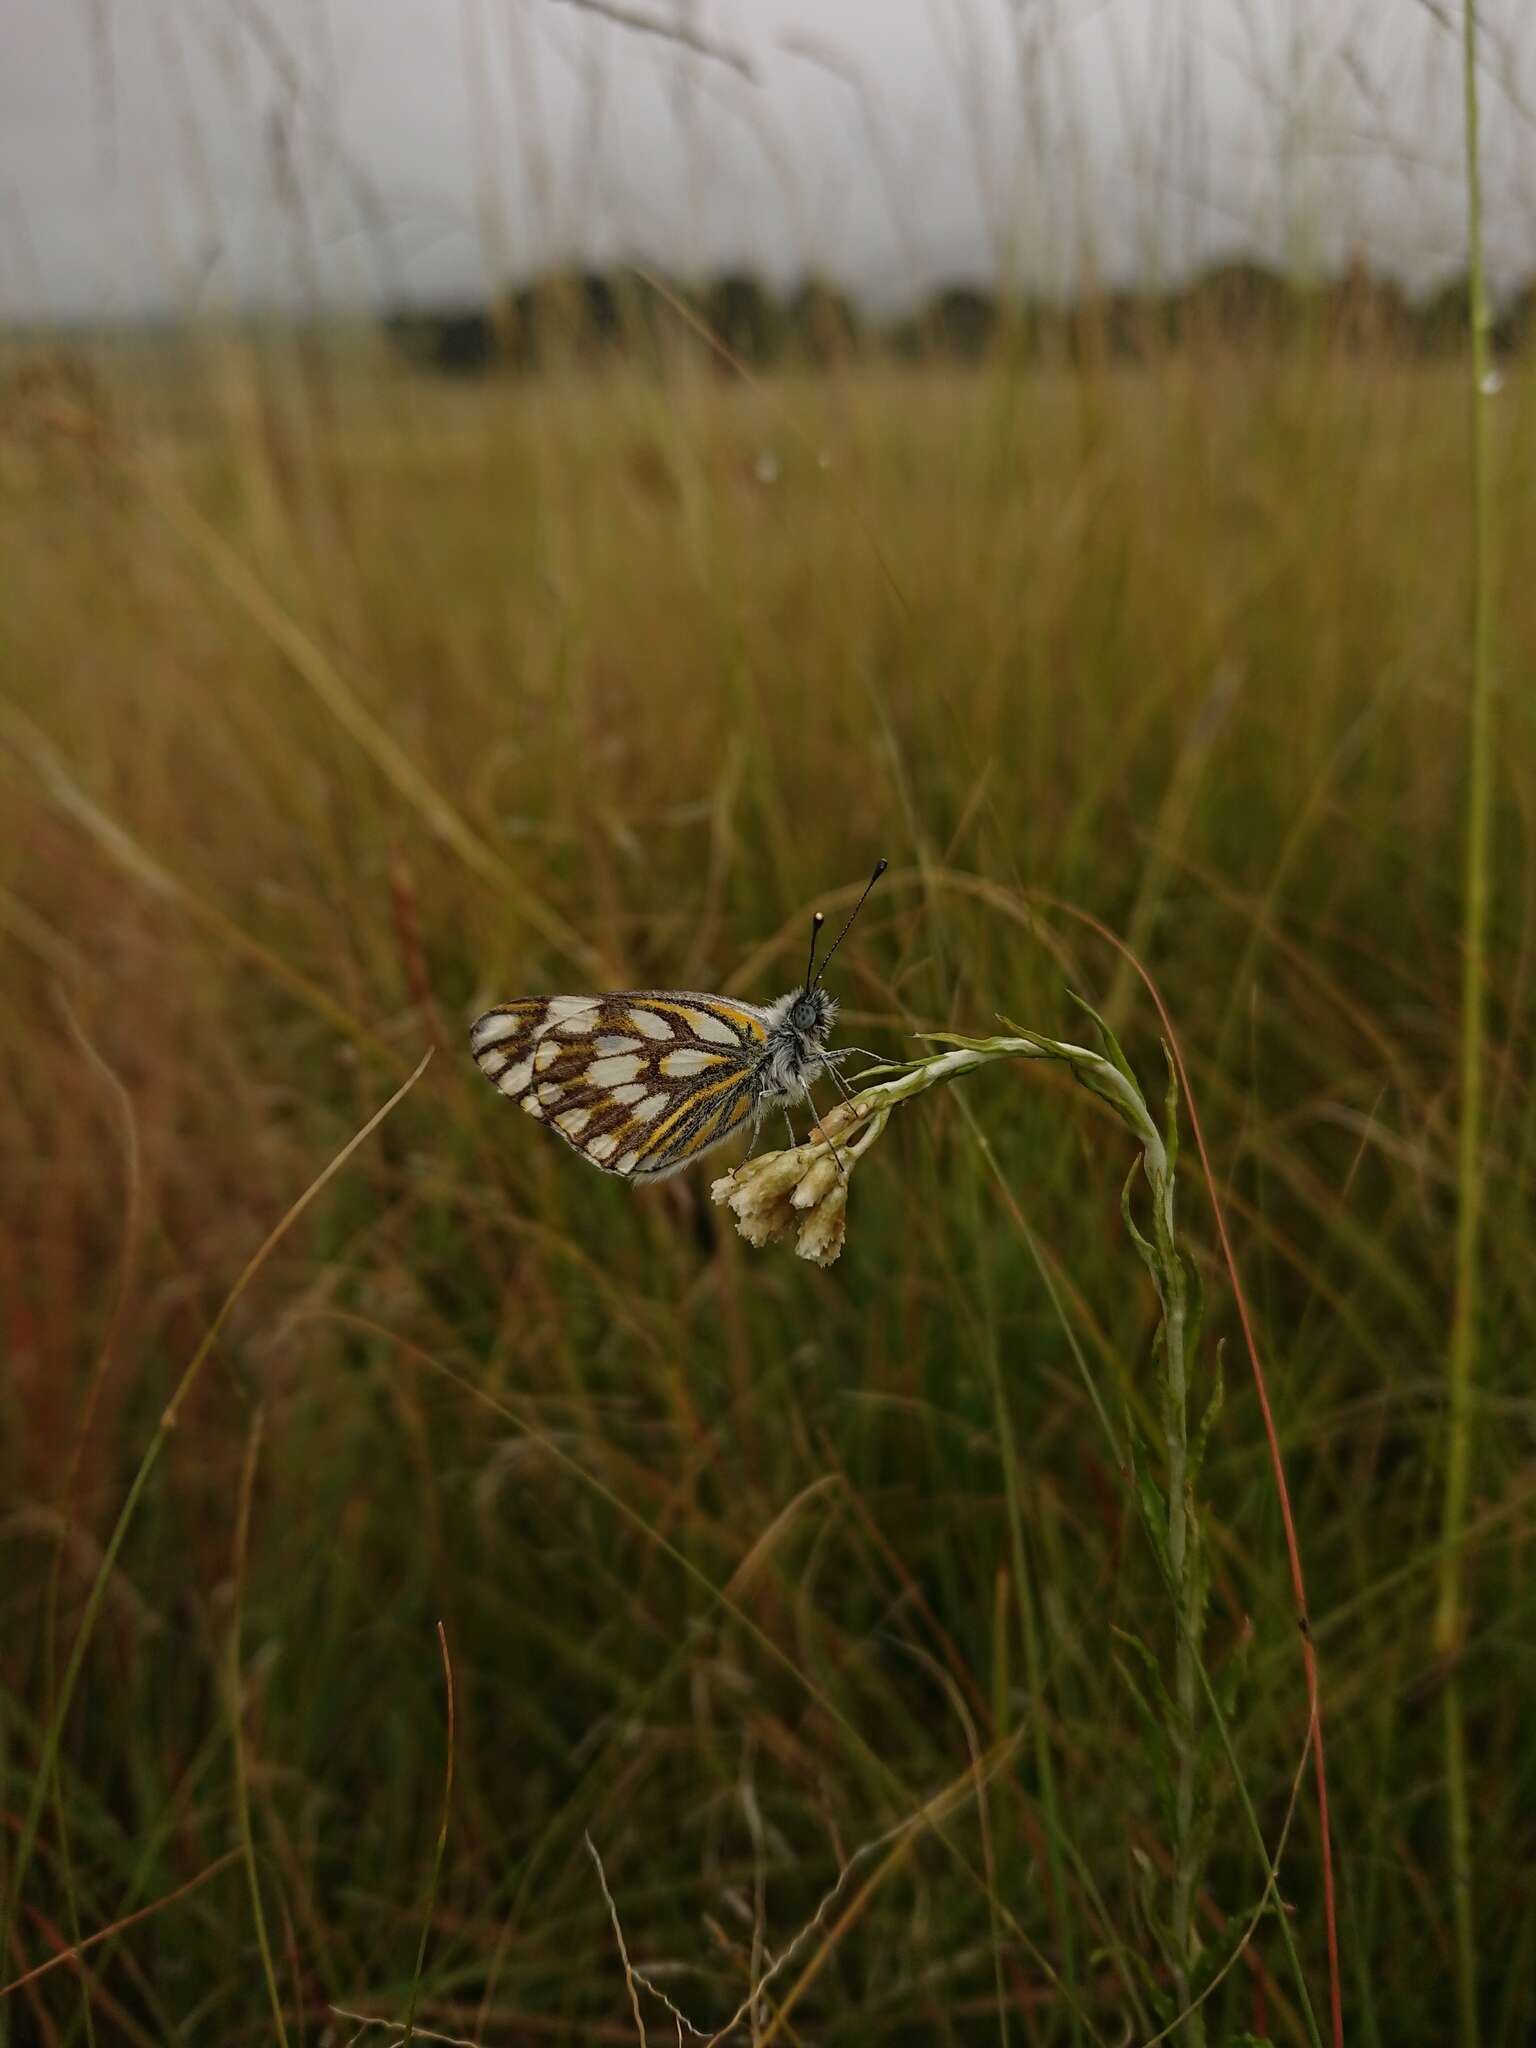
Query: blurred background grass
{"x": 343, "y": 702}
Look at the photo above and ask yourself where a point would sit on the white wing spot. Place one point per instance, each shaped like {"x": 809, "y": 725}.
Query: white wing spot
{"x": 676, "y": 1064}
{"x": 493, "y": 1063}
{"x": 609, "y": 1043}
{"x": 572, "y": 1121}
{"x": 547, "y": 1054}
{"x": 599, "y": 1148}
{"x": 653, "y": 1105}
{"x": 566, "y": 1013}
{"x": 550, "y": 1093}
{"x": 572, "y": 1012}
{"x": 627, "y": 1163}
{"x": 631, "y": 1092}
{"x": 493, "y": 1028}
{"x": 533, "y": 1106}
{"x": 516, "y": 1079}
{"x": 608, "y": 1073}
{"x": 652, "y": 1025}
{"x": 711, "y": 1027}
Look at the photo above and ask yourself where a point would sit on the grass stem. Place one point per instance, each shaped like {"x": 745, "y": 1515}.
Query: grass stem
{"x": 1184, "y": 1568}
{"x": 1034, "y": 1664}
{"x": 442, "y": 1844}
{"x": 1449, "y": 1622}
{"x": 1276, "y": 1460}
{"x": 237, "y": 1728}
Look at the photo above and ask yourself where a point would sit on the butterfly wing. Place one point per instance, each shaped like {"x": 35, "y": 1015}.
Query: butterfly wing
{"x": 639, "y": 1083}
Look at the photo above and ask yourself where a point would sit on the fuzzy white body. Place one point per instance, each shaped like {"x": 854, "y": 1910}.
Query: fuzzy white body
{"x": 794, "y": 1053}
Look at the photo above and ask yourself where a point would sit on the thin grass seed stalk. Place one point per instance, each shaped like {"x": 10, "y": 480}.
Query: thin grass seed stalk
{"x": 804, "y": 1190}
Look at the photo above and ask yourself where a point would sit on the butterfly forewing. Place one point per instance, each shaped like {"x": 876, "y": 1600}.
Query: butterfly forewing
{"x": 640, "y": 1082}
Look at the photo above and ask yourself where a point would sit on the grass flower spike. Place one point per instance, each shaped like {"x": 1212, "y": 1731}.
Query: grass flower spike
{"x": 805, "y": 1188}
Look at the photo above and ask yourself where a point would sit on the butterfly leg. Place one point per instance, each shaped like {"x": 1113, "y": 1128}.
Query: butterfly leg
{"x": 755, "y": 1131}
{"x": 835, "y": 1077}
{"x": 836, "y": 1080}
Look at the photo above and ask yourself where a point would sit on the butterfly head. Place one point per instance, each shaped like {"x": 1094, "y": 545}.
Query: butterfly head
{"x": 810, "y": 1015}
{"x": 803, "y": 1019}
{"x": 794, "y": 1051}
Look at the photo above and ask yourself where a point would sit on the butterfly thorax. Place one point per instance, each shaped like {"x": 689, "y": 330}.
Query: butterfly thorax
{"x": 794, "y": 1050}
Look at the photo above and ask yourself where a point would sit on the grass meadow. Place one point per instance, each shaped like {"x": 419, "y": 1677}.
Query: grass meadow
{"x": 340, "y": 702}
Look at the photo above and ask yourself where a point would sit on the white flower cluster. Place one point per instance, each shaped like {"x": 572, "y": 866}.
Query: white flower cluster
{"x": 806, "y": 1188}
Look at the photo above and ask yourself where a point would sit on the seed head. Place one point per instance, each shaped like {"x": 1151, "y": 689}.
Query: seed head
{"x": 804, "y": 1189}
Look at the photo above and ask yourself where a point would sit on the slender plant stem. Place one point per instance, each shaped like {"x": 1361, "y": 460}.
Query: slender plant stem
{"x": 1185, "y": 1569}
{"x": 1034, "y": 1665}
{"x": 237, "y": 1728}
{"x": 1034, "y": 1662}
{"x": 122, "y": 1293}
{"x": 1187, "y": 1614}
{"x": 1110, "y": 1078}
{"x": 442, "y": 1843}
{"x": 1449, "y": 1622}
{"x": 77, "y": 1949}
{"x": 1276, "y": 1458}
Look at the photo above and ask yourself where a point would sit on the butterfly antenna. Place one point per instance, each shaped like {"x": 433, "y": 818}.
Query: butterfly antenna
{"x": 816, "y": 924}
{"x": 880, "y": 868}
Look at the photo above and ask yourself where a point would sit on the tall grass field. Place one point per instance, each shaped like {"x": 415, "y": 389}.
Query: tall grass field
{"x": 450, "y": 1593}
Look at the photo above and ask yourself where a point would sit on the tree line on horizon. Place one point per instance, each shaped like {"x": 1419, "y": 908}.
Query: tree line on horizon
{"x": 585, "y": 316}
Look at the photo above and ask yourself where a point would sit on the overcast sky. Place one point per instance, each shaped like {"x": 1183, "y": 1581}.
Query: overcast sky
{"x": 187, "y": 155}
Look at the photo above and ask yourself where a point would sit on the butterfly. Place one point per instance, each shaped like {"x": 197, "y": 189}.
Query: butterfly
{"x": 643, "y": 1082}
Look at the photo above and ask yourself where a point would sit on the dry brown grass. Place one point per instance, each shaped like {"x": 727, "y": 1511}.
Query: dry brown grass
{"x": 338, "y": 703}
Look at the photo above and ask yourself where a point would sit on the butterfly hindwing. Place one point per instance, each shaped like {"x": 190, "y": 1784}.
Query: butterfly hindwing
{"x": 639, "y": 1082}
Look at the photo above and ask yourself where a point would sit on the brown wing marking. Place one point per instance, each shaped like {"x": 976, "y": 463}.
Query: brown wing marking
{"x": 582, "y": 1065}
